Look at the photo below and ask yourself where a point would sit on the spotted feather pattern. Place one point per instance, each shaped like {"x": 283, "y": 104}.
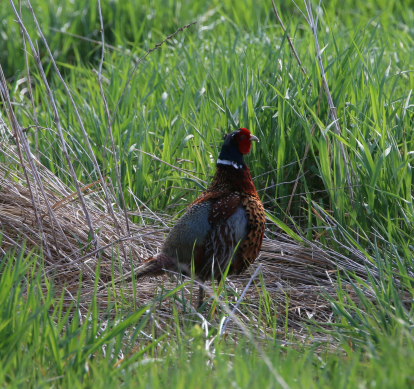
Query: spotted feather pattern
{"x": 231, "y": 189}
{"x": 224, "y": 207}
{"x": 250, "y": 247}
{"x": 210, "y": 195}
{"x": 220, "y": 246}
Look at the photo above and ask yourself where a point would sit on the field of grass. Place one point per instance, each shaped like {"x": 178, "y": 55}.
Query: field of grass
{"x": 233, "y": 68}
{"x": 43, "y": 345}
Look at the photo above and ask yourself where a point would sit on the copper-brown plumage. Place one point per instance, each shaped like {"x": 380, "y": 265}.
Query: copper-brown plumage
{"x": 225, "y": 223}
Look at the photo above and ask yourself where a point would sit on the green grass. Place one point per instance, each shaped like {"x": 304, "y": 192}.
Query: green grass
{"x": 45, "y": 343}
{"x": 221, "y": 74}
{"x": 226, "y": 75}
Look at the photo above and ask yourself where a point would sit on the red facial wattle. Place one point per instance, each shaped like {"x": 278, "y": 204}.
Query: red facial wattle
{"x": 244, "y": 141}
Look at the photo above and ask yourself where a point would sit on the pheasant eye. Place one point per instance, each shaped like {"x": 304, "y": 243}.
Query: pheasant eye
{"x": 242, "y": 137}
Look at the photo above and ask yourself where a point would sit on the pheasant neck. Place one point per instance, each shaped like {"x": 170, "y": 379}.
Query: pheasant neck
{"x": 236, "y": 179}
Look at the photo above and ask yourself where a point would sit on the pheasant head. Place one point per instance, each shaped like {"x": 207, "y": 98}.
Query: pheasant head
{"x": 235, "y": 146}
{"x": 232, "y": 172}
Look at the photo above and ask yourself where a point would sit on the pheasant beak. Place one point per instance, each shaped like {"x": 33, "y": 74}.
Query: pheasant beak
{"x": 254, "y": 138}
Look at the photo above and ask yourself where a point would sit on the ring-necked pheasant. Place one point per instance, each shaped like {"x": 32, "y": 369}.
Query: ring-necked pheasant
{"x": 227, "y": 214}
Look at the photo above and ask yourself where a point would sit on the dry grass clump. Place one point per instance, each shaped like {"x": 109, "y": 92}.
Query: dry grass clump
{"x": 69, "y": 245}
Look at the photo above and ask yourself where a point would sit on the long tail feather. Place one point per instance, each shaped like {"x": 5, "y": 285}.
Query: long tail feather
{"x": 154, "y": 266}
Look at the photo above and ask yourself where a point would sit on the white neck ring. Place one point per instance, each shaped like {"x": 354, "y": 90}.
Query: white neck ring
{"x": 230, "y": 163}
